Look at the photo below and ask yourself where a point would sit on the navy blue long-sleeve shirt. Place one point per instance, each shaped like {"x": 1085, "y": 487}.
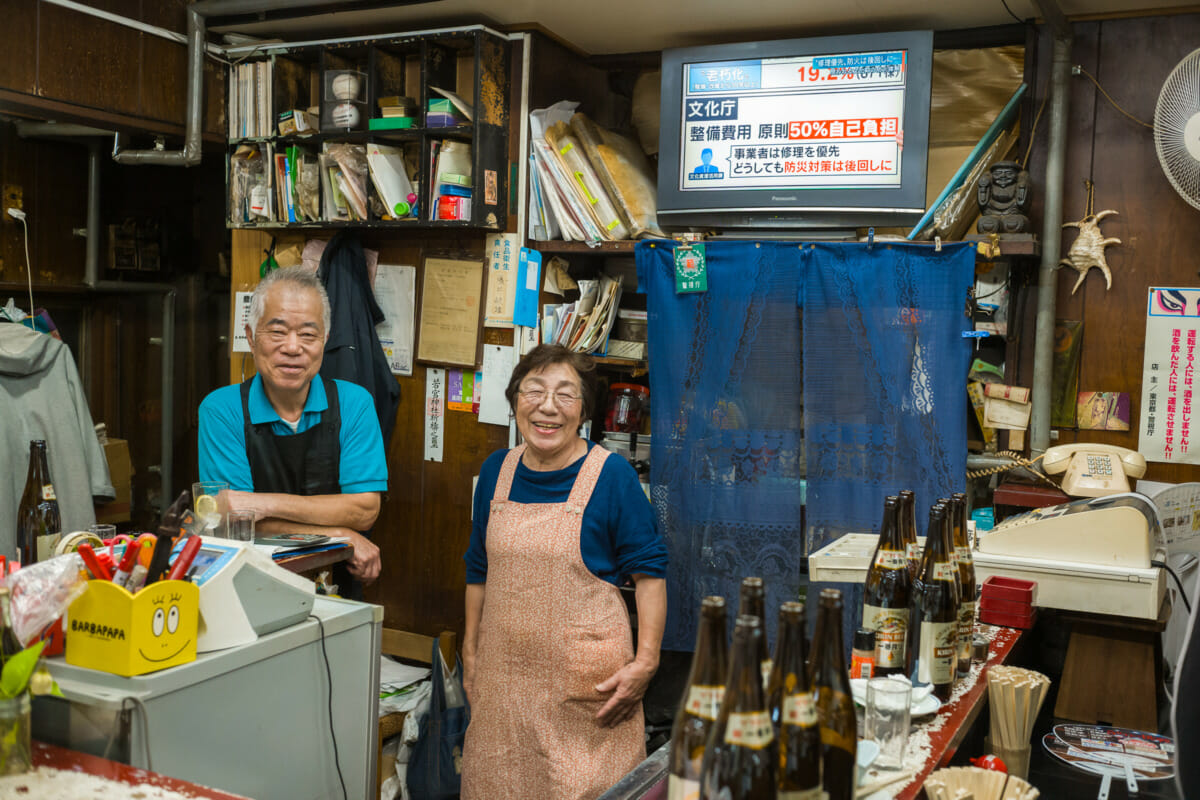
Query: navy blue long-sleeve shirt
{"x": 619, "y": 535}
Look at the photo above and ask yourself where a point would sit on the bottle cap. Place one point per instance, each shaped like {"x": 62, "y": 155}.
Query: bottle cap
{"x": 864, "y": 639}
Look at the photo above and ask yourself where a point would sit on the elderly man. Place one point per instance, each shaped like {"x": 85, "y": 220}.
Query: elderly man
{"x": 304, "y": 453}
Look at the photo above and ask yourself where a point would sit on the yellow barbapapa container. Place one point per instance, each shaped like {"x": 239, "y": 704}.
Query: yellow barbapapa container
{"x": 114, "y": 631}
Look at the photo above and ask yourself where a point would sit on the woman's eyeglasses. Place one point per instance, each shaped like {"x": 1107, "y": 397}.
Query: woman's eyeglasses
{"x": 535, "y": 397}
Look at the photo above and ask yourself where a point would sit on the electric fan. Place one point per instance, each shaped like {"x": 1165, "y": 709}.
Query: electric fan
{"x": 1177, "y": 128}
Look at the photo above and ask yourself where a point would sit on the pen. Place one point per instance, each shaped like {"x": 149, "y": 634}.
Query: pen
{"x": 161, "y": 558}
{"x": 127, "y": 561}
{"x": 138, "y": 576}
{"x": 93, "y": 564}
{"x": 185, "y": 558}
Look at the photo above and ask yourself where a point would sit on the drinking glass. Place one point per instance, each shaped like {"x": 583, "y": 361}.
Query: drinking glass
{"x": 887, "y": 719}
{"x": 204, "y": 502}
{"x": 103, "y": 531}
{"x": 239, "y": 525}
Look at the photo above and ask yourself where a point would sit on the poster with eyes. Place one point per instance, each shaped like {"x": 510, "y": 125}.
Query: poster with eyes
{"x": 1169, "y": 380}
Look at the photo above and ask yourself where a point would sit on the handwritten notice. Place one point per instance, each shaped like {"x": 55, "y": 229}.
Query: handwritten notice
{"x": 450, "y": 294}
{"x": 502, "y": 250}
{"x": 435, "y": 413}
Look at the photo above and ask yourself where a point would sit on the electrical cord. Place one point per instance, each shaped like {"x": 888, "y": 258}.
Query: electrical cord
{"x": 112, "y": 737}
{"x": 1010, "y": 12}
{"x": 1178, "y": 583}
{"x": 1107, "y": 97}
{"x": 332, "y": 735}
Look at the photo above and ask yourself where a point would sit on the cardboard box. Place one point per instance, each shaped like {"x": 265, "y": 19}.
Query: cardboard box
{"x": 120, "y": 470}
{"x": 114, "y": 631}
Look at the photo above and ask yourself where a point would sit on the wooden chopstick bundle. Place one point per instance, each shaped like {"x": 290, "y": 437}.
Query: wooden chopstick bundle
{"x": 1015, "y": 697}
{"x": 973, "y": 783}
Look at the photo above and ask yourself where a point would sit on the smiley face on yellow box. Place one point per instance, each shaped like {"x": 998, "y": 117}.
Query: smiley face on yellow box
{"x": 111, "y": 630}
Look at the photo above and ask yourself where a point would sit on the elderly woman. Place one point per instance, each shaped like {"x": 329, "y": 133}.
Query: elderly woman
{"x": 549, "y": 667}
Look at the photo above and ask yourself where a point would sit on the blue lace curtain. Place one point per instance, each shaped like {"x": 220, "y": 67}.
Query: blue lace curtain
{"x": 885, "y": 365}
{"x": 726, "y": 458}
{"x": 732, "y": 410}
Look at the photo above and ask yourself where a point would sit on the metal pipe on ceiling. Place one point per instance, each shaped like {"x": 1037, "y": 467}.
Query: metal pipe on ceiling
{"x": 1043, "y": 347}
{"x": 189, "y": 156}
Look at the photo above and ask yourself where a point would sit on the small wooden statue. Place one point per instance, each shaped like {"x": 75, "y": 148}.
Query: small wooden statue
{"x": 1003, "y": 196}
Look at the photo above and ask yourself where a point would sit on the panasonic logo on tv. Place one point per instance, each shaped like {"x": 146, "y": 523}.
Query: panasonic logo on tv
{"x": 790, "y": 197}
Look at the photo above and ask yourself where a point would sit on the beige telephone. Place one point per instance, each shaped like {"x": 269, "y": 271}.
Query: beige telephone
{"x": 1094, "y": 470}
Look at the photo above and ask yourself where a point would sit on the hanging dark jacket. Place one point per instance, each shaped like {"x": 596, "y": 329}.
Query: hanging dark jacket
{"x": 353, "y": 352}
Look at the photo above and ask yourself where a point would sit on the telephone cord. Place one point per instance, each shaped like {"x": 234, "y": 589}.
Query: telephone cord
{"x": 1018, "y": 460}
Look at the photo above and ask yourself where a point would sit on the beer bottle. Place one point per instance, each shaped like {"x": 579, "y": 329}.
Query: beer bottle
{"x": 966, "y": 575}
{"x": 701, "y": 702}
{"x": 935, "y": 611}
{"x": 752, "y": 601}
{"x": 791, "y": 702}
{"x": 908, "y": 532}
{"x": 739, "y": 761}
{"x": 10, "y": 645}
{"x": 37, "y": 514}
{"x": 835, "y": 708}
{"x": 887, "y": 595}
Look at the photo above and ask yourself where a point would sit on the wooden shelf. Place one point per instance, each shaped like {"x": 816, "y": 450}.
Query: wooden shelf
{"x": 623, "y": 247}
{"x": 1011, "y": 244}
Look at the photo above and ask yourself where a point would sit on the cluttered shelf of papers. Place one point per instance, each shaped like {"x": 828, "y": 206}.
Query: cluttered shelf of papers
{"x": 347, "y": 182}
{"x": 587, "y": 183}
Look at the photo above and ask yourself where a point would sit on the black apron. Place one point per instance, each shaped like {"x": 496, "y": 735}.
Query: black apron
{"x": 303, "y": 464}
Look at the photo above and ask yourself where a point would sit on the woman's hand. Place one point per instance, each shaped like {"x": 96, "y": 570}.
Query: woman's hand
{"x": 628, "y": 685}
{"x": 468, "y": 674}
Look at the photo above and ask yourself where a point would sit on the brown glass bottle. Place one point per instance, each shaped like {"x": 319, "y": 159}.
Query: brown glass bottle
{"x": 791, "y": 700}
{"x": 966, "y": 584}
{"x": 835, "y": 708}
{"x": 700, "y": 704}
{"x": 935, "y": 609}
{"x": 37, "y": 515}
{"x": 10, "y": 645}
{"x": 739, "y": 760}
{"x": 908, "y": 532}
{"x": 887, "y": 595}
{"x": 752, "y": 601}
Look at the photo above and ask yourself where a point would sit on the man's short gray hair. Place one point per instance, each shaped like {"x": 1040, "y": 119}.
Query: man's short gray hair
{"x": 298, "y": 277}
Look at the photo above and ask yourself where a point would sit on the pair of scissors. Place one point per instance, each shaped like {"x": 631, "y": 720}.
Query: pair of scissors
{"x": 124, "y": 540}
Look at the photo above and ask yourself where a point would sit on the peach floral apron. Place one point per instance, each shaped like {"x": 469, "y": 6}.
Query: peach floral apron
{"x": 551, "y": 631}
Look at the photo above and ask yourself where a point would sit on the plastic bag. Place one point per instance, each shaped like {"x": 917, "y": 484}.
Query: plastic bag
{"x": 435, "y": 767}
{"x": 42, "y": 592}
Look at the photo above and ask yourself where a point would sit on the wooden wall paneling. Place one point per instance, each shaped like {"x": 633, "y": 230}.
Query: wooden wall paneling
{"x": 88, "y": 60}
{"x": 1159, "y": 231}
{"x": 18, "y": 66}
{"x": 162, "y": 74}
{"x": 562, "y": 74}
{"x": 57, "y": 202}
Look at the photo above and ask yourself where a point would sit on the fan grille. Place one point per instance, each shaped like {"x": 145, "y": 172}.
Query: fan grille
{"x": 1178, "y": 104}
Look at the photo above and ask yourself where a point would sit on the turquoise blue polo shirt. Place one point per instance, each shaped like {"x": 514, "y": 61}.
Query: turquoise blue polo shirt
{"x": 222, "y": 439}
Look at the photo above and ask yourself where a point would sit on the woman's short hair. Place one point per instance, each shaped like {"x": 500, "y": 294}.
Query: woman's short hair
{"x": 547, "y": 355}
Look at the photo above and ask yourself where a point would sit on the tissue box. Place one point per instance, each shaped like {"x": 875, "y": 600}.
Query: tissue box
{"x": 111, "y": 630}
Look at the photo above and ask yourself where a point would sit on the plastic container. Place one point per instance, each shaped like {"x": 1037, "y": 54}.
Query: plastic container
{"x": 625, "y": 404}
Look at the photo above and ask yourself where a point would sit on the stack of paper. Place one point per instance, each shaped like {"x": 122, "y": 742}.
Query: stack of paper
{"x": 586, "y": 185}
{"x": 584, "y": 326}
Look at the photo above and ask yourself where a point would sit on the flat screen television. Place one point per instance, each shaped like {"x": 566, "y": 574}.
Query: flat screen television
{"x": 819, "y": 133}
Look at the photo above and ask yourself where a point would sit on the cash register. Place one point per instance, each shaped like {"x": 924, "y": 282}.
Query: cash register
{"x": 1092, "y": 554}
{"x": 244, "y": 594}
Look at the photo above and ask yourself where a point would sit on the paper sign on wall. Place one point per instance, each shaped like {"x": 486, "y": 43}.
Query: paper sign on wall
{"x": 241, "y": 318}
{"x": 497, "y": 369}
{"x": 529, "y": 272}
{"x": 1168, "y": 376}
{"x": 501, "y": 250}
{"x": 395, "y": 291}
{"x": 435, "y": 412}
